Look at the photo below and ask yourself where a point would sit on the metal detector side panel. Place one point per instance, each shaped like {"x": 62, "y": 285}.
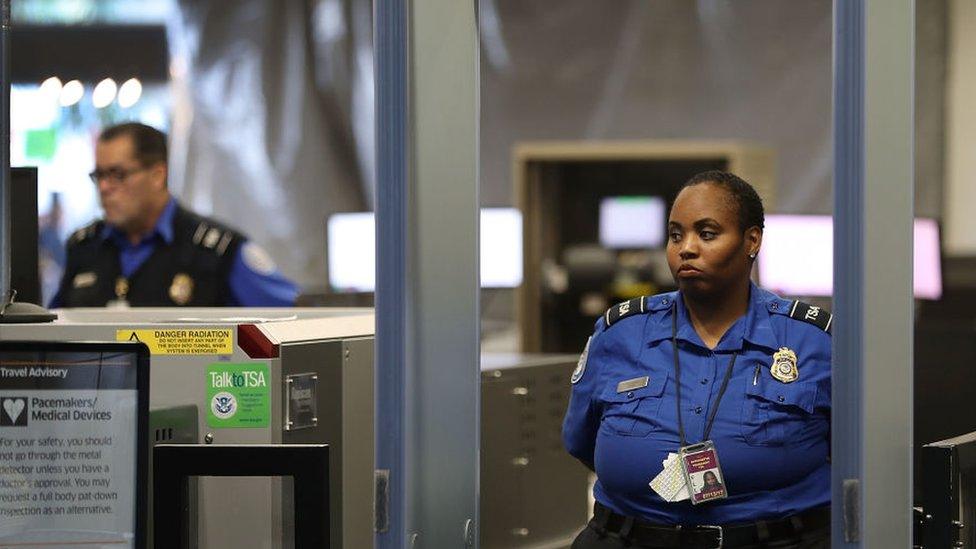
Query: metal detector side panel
{"x": 344, "y": 400}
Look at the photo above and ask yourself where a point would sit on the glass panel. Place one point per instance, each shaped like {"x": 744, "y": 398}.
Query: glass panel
{"x": 592, "y": 138}
{"x": 945, "y": 324}
{"x": 253, "y": 512}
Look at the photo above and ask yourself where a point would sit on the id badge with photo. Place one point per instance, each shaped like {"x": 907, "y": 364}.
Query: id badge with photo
{"x": 703, "y": 474}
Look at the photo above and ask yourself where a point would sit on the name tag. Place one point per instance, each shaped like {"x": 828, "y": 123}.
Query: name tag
{"x": 631, "y": 384}
{"x": 84, "y": 280}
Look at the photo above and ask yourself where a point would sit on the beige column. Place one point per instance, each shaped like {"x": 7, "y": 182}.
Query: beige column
{"x": 959, "y": 222}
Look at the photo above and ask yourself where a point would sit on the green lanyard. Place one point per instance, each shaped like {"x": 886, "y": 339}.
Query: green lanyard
{"x": 677, "y": 380}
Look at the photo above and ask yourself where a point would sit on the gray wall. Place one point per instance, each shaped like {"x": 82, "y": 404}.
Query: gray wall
{"x": 294, "y": 143}
{"x": 751, "y": 69}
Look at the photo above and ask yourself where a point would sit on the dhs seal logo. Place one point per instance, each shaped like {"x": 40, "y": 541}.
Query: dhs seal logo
{"x": 223, "y": 405}
{"x": 14, "y": 412}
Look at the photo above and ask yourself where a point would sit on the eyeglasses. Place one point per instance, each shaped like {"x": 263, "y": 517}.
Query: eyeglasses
{"x": 115, "y": 176}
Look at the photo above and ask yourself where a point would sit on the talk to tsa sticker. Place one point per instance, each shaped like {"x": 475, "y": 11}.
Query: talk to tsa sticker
{"x": 238, "y": 395}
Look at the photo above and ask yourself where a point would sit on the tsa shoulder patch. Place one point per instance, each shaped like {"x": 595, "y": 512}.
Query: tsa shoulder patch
{"x": 623, "y": 310}
{"x": 257, "y": 259}
{"x": 638, "y": 306}
{"x": 810, "y": 314}
{"x": 581, "y": 365}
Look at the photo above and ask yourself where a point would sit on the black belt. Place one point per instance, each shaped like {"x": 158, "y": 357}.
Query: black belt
{"x": 648, "y": 534}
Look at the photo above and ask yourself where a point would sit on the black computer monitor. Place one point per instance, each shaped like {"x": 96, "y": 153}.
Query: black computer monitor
{"x": 948, "y": 492}
{"x": 73, "y": 443}
{"x": 24, "y": 275}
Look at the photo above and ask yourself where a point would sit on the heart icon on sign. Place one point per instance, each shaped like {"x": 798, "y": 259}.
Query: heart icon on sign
{"x": 14, "y": 407}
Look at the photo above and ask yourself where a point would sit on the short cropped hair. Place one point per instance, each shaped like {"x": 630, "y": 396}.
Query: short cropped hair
{"x": 148, "y": 142}
{"x": 748, "y": 204}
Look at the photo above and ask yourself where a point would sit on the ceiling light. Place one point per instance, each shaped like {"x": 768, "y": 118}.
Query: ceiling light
{"x": 71, "y": 93}
{"x": 51, "y": 88}
{"x": 104, "y": 93}
{"x": 130, "y": 92}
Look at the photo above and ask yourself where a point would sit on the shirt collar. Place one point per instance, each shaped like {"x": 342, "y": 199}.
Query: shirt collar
{"x": 163, "y": 227}
{"x": 754, "y": 327}
{"x": 759, "y": 329}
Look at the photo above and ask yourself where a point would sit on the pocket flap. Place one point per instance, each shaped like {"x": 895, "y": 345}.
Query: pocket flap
{"x": 800, "y": 394}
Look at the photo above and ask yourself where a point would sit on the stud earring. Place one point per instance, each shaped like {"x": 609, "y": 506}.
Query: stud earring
{"x": 752, "y": 256}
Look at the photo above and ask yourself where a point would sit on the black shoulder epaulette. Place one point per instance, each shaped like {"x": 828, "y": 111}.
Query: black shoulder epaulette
{"x": 636, "y": 306}
{"x": 203, "y": 232}
{"x": 212, "y": 236}
{"x": 84, "y": 233}
{"x": 819, "y": 317}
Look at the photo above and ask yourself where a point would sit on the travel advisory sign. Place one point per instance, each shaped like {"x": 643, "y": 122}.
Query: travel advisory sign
{"x": 67, "y": 449}
{"x": 239, "y": 395}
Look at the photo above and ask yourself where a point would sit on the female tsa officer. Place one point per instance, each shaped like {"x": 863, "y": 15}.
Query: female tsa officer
{"x": 705, "y": 412}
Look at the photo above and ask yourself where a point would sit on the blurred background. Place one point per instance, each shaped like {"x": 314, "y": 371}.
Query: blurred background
{"x": 269, "y": 107}
{"x": 592, "y": 116}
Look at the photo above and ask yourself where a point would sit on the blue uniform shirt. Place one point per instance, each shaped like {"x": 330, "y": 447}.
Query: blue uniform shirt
{"x": 773, "y": 438}
{"x": 249, "y": 286}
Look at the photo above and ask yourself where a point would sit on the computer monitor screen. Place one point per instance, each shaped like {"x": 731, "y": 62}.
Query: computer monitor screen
{"x": 927, "y": 270}
{"x": 73, "y": 467}
{"x": 501, "y": 248}
{"x": 352, "y": 248}
{"x": 632, "y": 222}
{"x": 797, "y": 257}
{"x": 352, "y": 252}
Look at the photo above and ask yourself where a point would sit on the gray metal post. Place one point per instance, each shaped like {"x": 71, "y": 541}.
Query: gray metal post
{"x": 392, "y": 170}
{"x": 427, "y": 270}
{"x": 872, "y": 373}
{"x": 4, "y": 149}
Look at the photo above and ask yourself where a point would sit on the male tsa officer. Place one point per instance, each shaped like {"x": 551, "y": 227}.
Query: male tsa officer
{"x": 149, "y": 251}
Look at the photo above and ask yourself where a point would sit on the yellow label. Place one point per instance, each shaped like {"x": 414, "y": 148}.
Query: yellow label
{"x": 183, "y": 341}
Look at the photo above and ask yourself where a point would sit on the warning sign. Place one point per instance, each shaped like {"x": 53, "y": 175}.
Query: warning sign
{"x": 183, "y": 341}
{"x": 68, "y": 448}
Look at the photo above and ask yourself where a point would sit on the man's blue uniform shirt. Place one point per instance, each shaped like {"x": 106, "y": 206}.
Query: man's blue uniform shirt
{"x": 248, "y": 287}
{"x": 773, "y": 438}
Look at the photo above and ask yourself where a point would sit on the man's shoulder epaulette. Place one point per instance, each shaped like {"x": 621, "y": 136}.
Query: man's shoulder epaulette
{"x": 212, "y": 236}
{"x": 638, "y": 305}
{"x": 804, "y": 312}
{"x": 204, "y": 232}
{"x": 85, "y": 233}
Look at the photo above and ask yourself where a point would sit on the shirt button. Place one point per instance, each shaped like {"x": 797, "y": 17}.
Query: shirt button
{"x": 698, "y": 409}
{"x": 774, "y": 305}
{"x": 781, "y": 398}
{"x": 630, "y": 394}
{"x": 704, "y": 381}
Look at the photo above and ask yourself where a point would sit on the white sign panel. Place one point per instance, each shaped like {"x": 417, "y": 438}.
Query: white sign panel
{"x": 68, "y": 449}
